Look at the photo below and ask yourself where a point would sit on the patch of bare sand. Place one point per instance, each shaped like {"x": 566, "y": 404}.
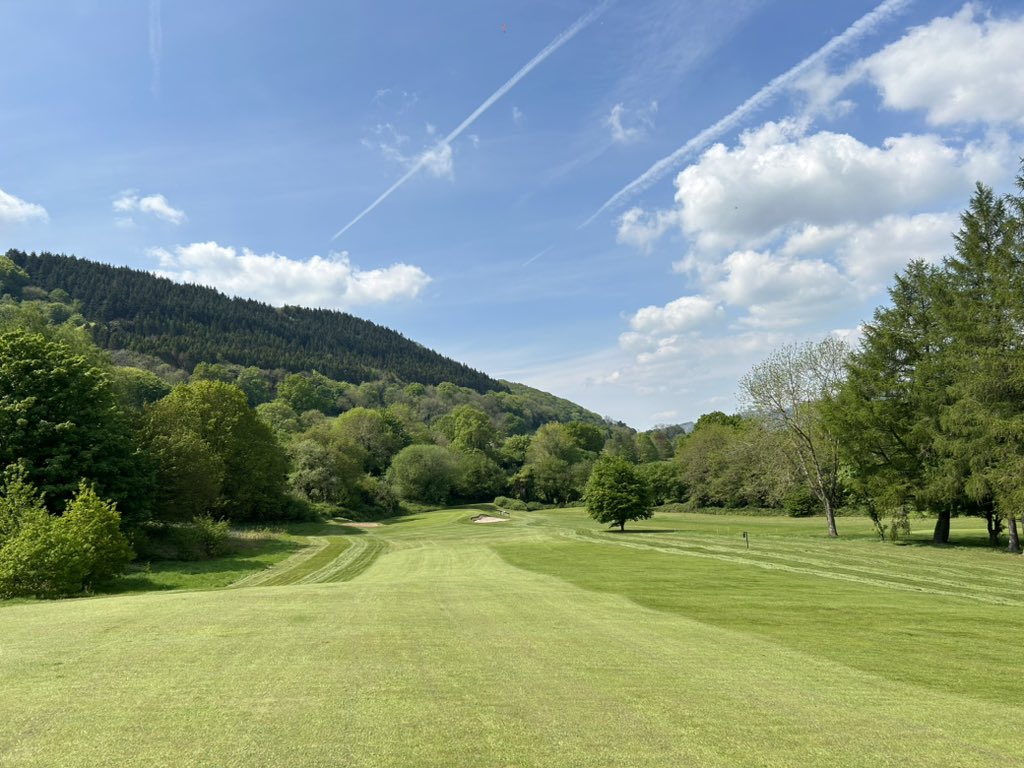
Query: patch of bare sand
{"x": 489, "y": 519}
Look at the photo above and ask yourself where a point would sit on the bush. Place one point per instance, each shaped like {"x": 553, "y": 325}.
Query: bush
{"x": 199, "y": 539}
{"x": 57, "y": 557}
{"x": 799, "y": 502}
{"x": 515, "y": 505}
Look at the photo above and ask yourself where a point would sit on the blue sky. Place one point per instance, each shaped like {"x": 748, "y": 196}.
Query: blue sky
{"x": 625, "y": 203}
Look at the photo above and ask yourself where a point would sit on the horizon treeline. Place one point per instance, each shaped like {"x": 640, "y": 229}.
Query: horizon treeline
{"x": 184, "y": 324}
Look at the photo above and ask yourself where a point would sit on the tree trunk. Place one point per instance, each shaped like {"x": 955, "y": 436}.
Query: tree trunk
{"x": 994, "y": 526}
{"x": 830, "y": 515}
{"x": 941, "y": 534}
{"x": 1014, "y": 541}
{"x": 622, "y": 526}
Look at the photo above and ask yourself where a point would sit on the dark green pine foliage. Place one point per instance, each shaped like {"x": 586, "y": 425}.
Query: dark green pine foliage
{"x": 983, "y": 428}
{"x": 188, "y": 324}
{"x": 887, "y": 410}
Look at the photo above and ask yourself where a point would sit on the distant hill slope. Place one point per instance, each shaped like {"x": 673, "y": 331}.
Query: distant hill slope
{"x": 187, "y": 324}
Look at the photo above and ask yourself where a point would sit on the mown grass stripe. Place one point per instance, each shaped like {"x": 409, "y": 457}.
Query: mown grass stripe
{"x": 696, "y": 552}
{"x": 766, "y": 553}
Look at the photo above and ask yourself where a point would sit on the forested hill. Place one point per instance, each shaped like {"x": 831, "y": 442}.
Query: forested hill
{"x": 187, "y": 324}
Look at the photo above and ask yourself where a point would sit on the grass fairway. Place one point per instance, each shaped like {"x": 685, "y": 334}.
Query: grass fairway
{"x": 541, "y": 641}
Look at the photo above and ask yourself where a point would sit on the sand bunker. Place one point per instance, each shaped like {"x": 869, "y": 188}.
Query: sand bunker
{"x": 362, "y": 525}
{"x": 489, "y": 519}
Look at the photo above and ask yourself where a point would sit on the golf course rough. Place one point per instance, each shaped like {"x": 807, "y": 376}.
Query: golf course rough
{"x": 545, "y": 641}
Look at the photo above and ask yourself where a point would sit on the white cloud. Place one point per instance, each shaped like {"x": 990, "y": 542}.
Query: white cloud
{"x": 792, "y": 232}
{"x": 333, "y": 283}
{"x": 778, "y": 85}
{"x": 684, "y": 314}
{"x": 871, "y": 255}
{"x": 629, "y": 125}
{"x": 756, "y": 279}
{"x": 960, "y": 69}
{"x": 517, "y": 115}
{"x": 642, "y": 230}
{"x": 156, "y": 205}
{"x": 777, "y": 176}
{"x": 14, "y": 210}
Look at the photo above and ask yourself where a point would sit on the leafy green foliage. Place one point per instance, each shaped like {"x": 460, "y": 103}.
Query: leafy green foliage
{"x": 12, "y": 277}
{"x": 932, "y": 411}
{"x": 214, "y": 455}
{"x": 425, "y": 473}
{"x": 787, "y": 390}
{"x": 616, "y": 492}
{"x": 60, "y": 556}
{"x": 732, "y": 462}
{"x": 59, "y": 418}
{"x": 478, "y": 476}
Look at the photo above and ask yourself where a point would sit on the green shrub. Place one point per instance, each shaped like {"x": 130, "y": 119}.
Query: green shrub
{"x": 504, "y": 502}
{"x": 61, "y": 556}
{"x": 199, "y": 539}
{"x": 213, "y": 535}
{"x": 799, "y": 502}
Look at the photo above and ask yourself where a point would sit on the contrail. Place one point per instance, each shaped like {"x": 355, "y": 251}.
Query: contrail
{"x": 156, "y": 44}
{"x": 536, "y": 256}
{"x": 568, "y": 34}
{"x": 862, "y": 26}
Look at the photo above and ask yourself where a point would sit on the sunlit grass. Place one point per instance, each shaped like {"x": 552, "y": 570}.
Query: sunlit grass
{"x": 542, "y": 641}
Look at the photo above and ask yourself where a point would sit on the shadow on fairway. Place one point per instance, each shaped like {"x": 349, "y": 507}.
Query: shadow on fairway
{"x": 966, "y": 542}
{"x": 641, "y": 530}
{"x": 146, "y": 577}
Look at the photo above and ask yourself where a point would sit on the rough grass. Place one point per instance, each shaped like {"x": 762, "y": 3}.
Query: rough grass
{"x": 545, "y": 641}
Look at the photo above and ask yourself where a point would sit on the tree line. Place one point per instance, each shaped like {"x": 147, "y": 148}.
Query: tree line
{"x": 173, "y": 457}
{"x": 926, "y": 415}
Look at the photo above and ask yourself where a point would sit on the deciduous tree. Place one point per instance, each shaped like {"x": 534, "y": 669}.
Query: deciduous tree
{"x": 616, "y": 492}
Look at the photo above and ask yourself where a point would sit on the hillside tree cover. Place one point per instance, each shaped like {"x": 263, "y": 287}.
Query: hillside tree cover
{"x": 189, "y": 324}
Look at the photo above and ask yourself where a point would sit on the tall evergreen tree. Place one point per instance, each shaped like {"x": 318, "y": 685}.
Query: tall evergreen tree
{"x": 982, "y": 430}
{"x": 886, "y": 412}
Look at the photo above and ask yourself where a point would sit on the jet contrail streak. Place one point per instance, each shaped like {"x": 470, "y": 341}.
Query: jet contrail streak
{"x": 568, "y": 34}
{"x": 864, "y": 25}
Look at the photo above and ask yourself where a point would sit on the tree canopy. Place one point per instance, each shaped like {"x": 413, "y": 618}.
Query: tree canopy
{"x": 616, "y": 492}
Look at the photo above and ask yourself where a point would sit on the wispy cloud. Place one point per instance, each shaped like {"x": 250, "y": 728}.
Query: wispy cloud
{"x": 629, "y": 125}
{"x": 156, "y": 44}
{"x": 863, "y": 26}
{"x": 130, "y": 202}
{"x": 565, "y": 36}
{"x": 536, "y": 256}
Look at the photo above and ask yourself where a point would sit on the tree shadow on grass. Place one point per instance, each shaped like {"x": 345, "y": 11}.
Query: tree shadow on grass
{"x": 641, "y": 530}
{"x": 958, "y": 542}
{"x": 145, "y": 577}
